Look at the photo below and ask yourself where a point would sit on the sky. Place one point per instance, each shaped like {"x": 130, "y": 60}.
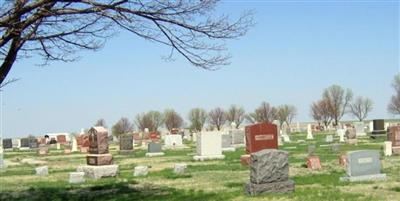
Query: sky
{"x": 295, "y": 50}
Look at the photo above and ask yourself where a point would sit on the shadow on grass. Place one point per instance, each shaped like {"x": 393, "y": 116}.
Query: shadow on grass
{"x": 114, "y": 191}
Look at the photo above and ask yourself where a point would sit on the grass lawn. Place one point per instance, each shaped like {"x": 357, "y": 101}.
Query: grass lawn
{"x": 209, "y": 180}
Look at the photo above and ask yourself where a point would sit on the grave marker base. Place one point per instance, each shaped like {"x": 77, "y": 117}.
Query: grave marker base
{"x": 155, "y": 154}
{"x": 97, "y": 172}
{"x": 229, "y": 149}
{"x": 211, "y": 157}
{"x": 274, "y": 187}
{"x": 375, "y": 177}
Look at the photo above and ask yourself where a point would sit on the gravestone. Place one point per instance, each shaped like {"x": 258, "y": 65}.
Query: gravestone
{"x": 173, "y": 141}
{"x": 335, "y": 148}
{"x": 58, "y": 145}
{"x": 379, "y": 128}
{"x": 261, "y": 136}
{"x": 226, "y": 142}
{"x": 343, "y": 160}
{"x": 76, "y": 177}
{"x": 180, "y": 168}
{"x": 371, "y": 126}
{"x": 363, "y": 165}
{"x": 99, "y": 160}
{"x": 61, "y": 139}
{"x": 309, "y": 132}
{"x": 269, "y": 172}
{"x": 24, "y": 143}
{"x": 351, "y": 136}
{"x": 286, "y": 138}
{"x": 237, "y": 137}
{"x": 126, "y": 144}
{"x": 33, "y": 143}
{"x": 394, "y": 137}
{"x": 74, "y": 146}
{"x": 329, "y": 139}
{"x": 311, "y": 149}
{"x": 341, "y": 133}
{"x": 43, "y": 150}
{"x": 359, "y": 126}
{"x": 387, "y": 148}
{"x": 7, "y": 143}
{"x": 154, "y": 149}
{"x": 208, "y": 146}
{"x": 16, "y": 143}
{"x": 313, "y": 163}
{"x": 42, "y": 171}
{"x": 140, "y": 171}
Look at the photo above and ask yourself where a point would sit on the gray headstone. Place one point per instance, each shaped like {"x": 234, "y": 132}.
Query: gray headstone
{"x": 24, "y": 142}
{"x": 364, "y": 162}
{"x": 126, "y": 142}
{"x": 237, "y": 136}
{"x": 226, "y": 140}
{"x": 42, "y": 171}
{"x": 329, "y": 138}
{"x": 154, "y": 147}
{"x": 180, "y": 168}
{"x": 76, "y": 177}
{"x": 7, "y": 143}
{"x": 33, "y": 143}
{"x": 269, "y": 165}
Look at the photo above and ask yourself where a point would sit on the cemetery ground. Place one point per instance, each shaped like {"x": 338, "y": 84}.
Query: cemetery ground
{"x": 207, "y": 180}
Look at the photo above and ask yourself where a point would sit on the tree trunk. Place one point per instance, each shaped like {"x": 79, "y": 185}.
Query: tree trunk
{"x": 9, "y": 59}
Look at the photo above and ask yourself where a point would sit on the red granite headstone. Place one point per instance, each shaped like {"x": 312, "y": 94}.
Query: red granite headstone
{"x": 61, "y": 139}
{"x": 261, "y": 136}
{"x": 245, "y": 160}
{"x": 313, "y": 163}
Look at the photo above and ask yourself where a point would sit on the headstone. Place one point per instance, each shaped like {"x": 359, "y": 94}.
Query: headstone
{"x": 329, "y": 139}
{"x": 16, "y": 143}
{"x": 237, "y": 136}
{"x": 141, "y": 171}
{"x": 286, "y": 138}
{"x": 261, "y": 136}
{"x": 359, "y": 126}
{"x": 42, "y": 171}
{"x": 24, "y": 143}
{"x": 363, "y": 165}
{"x": 341, "y": 133}
{"x": 43, "y": 150}
{"x": 74, "y": 146}
{"x": 99, "y": 161}
{"x": 351, "y": 136}
{"x": 394, "y": 137}
{"x": 343, "y": 160}
{"x": 58, "y": 146}
{"x": 194, "y": 137}
{"x": 33, "y": 143}
{"x": 387, "y": 148}
{"x": 7, "y": 143}
{"x": 173, "y": 141}
{"x": 379, "y": 127}
{"x": 154, "y": 149}
{"x": 226, "y": 142}
{"x": 76, "y": 177}
{"x": 313, "y": 163}
{"x": 309, "y": 132}
{"x": 371, "y": 126}
{"x": 208, "y": 146}
{"x": 269, "y": 172}
{"x": 126, "y": 144}
{"x": 61, "y": 139}
{"x": 180, "y": 168}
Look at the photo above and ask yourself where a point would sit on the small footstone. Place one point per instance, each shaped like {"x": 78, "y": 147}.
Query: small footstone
{"x": 155, "y": 154}
{"x": 42, "y": 171}
{"x": 97, "y": 172}
{"x": 141, "y": 171}
{"x": 76, "y": 177}
{"x": 180, "y": 168}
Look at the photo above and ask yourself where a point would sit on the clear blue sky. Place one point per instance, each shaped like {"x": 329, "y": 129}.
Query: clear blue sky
{"x": 295, "y": 51}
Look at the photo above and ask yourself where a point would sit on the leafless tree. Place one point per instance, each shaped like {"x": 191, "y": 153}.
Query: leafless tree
{"x": 101, "y": 122}
{"x": 235, "y": 114}
{"x": 217, "y": 118}
{"x": 151, "y": 120}
{"x": 337, "y": 99}
{"x": 264, "y": 113}
{"x": 197, "y": 118}
{"x": 285, "y": 114}
{"x": 394, "y": 104}
{"x": 123, "y": 126}
{"x": 57, "y": 29}
{"x": 320, "y": 112}
{"x": 172, "y": 119}
{"x": 361, "y": 107}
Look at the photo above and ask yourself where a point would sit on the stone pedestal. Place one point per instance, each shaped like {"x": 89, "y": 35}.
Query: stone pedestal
{"x": 375, "y": 177}
{"x": 281, "y": 187}
{"x": 99, "y": 159}
{"x": 97, "y": 172}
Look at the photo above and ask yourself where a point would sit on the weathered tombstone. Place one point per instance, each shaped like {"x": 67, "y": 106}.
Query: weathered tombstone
{"x": 329, "y": 139}
{"x": 7, "y": 144}
{"x": 237, "y": 137}
{"x": 351, "y": 136}
{"x": 126, "y": 144}
{"x": 359, "y": 126}
{"x": 33, "y": 143}
{"x": 58, "y": 146}
{"x": 343, "y": 160}
{"x": 61, "y": 139}
{"x": 140, "y": 171}
{"x": 208, "y": 146}
{"x": 341, "y": 133}
{"x": 16, "y": 143}
{"x": 24, "y": 143}
{"x": 387, "y": 148}
{"x": 379, "y": 128}
{"x": 154, "y": 149}
{"x": 42, "y": 171}
{"x": 226, "y": 142}
{"x": 371, "y": 126}
{"x": 309, "y": 132}
{"x": 363, "y": 165}
{"x": 394, "y": 137}
{"x": 269, "y": 172}
{"x": 99, "y": 161}
{"x": 74, "y": 144}
{"x": 76, "y": 177}
{"x": 173, "y": 141}
{"x": 313, "y": 163}
{"x": 180, "y": 168}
